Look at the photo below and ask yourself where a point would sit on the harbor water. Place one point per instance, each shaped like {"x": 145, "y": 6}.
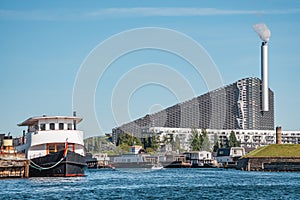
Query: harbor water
{"x": 158, "y": 184}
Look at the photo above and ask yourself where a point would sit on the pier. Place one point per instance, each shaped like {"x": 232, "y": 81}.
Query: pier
{"x": 14, "y": 165}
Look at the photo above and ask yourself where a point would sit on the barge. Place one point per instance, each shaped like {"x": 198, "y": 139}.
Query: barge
{"x": 53, "y": 146}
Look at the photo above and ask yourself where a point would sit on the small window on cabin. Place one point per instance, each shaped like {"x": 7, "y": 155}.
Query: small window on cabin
{"x": 52, "y": 126}
{"x": 43, "y": 127}
{"x": 71, "y": 147}
{"x": 69, "y": 126}
{"x": 51, "y": 148}
{"x": 60, "y": 147}
{"x": 61, "y": 126}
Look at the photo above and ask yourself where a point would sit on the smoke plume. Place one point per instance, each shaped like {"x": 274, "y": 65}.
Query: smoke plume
{"x": 263, "y": 31}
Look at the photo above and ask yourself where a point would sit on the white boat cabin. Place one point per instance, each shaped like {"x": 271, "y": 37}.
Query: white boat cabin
{"x": 228, "y": 155}
{"x": 50, "y": 134}
{"x": 199, "y": 157}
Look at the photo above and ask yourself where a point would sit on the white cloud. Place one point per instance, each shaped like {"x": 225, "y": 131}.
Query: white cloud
{"x": 130, "y": 12}
{"x": 156, "y": 11}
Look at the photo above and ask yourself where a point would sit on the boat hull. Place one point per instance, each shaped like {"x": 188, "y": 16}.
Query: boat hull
{"x": 55, "y": 165}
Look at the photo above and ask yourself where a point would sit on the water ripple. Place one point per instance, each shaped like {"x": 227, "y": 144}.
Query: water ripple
{"x": 157, "y": 184}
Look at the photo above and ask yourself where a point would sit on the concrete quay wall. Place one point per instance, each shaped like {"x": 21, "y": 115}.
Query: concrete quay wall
{"x": 269, "y": 164}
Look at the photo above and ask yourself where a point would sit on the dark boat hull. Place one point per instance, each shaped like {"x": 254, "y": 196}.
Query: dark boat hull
{"x": 52, "y": 165}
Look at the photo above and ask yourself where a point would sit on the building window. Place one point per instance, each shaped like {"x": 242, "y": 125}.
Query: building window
{"x": 69, "y": 126}
{"x": 61, "y": 126}
{"x": 52, "y": 126}
{"x": 43, "y": 127}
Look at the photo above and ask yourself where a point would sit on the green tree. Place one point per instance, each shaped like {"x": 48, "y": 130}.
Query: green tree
{"x": 166, "y": 139}
{"x": 176, "y": 143}
{"x": 233, "y": 142}
{"x": 122, "y": 148}
{"x": 216, "y": 143}
{"x": 128, "y": 139}
{"x": 196, "y": 140}
{"x": 149, "y": 150}
{"x": 154, "y": 144}
{"x": 205, "y": 145}
{"x": 151, "y": 141}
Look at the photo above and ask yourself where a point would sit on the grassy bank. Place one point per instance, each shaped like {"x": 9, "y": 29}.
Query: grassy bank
{"x": 276, "y": 150}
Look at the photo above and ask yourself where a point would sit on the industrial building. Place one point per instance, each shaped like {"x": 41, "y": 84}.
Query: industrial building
{"x": 235, "y": 106}
{"x": 245, "y": 107}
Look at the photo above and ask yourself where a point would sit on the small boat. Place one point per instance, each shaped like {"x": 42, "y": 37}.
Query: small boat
{"x": 157, "y": 166}
{"x": 135, "y": 159}
{"x": 131, "y": 161}
{"x": 54, "y": 146}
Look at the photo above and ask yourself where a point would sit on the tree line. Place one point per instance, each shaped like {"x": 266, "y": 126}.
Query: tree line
{"x": 201, "y": 142}
{"x": 198, "y": 142}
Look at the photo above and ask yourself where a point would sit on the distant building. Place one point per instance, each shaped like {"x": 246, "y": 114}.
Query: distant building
{"x": 247, "y": 138}
{"x": 234, "y": 107}
{"x": 290, "y": 137}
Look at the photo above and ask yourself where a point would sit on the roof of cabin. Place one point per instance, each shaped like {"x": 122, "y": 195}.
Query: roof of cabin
{"x": 32, "y": 120}
{"x": 223, "y": 152}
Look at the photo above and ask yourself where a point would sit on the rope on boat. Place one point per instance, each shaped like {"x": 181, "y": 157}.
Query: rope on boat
{"x": 36, "y": 166}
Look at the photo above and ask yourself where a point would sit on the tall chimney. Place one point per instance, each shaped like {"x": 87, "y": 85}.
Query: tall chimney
{"x": 264, "y": 34}
{"x": 278, "y": 135}
{"x": 264, "y": 76}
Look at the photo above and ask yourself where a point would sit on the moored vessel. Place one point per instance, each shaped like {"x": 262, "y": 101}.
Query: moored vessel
{"x": 135, "y": 159}
{"x": 54, "y": 146}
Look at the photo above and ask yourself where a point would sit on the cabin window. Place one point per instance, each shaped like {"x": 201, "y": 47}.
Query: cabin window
{"x": 52, "y": 126}
{"x": 69, "y": 126}
{"x": 52, "y": 148}
{"x": 43, "y": 127}
{"x": 60, "y": 147}
{"x": 61, "y": 126}
{"x": 71, "y": 147}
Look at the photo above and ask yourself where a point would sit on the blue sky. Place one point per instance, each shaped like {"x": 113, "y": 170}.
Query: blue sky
{"x": 44, "y": 43}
